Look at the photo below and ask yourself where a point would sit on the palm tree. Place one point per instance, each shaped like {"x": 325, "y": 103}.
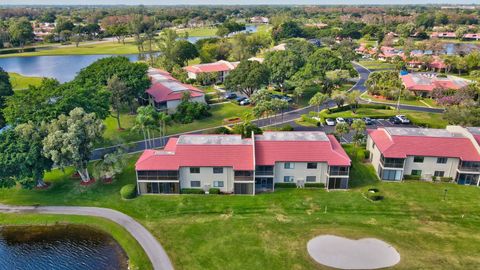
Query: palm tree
{"x": 317, "y": 100}
{"x": 145, "y": 120}
{"x": 164, "y": 120}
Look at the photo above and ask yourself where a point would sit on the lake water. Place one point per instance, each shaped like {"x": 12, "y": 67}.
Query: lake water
{"x": 63, "y": 68}
{"x": 59, "y": 247}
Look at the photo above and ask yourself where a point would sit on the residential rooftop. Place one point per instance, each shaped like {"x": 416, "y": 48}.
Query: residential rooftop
{"x": 292, "y": 136}
{"x": 213, "y": 140}
{"x": 423, "y": 132}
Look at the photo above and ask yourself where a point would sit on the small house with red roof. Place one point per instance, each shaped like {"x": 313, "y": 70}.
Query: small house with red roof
{"x": 397, "y": 153}
{"x": 166, "y": 92}
{"x": 243, "y": 165}
{"x": 423, "y": 84}
{"x": 443, "y": 35}
{"x": 472, "y": 36}
{"x": 221, "y": 68}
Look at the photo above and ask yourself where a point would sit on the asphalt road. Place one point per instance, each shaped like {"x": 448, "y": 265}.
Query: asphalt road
{"x": 149, "y": 243}
{"x": 287, "y": 118}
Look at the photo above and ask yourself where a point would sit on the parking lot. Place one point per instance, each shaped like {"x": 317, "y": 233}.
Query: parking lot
{"x": 347, "y": 138}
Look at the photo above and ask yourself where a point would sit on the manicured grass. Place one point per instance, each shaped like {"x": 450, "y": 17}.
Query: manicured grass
{"x": 428, "y": 101}
{"x": 198, "y": 31}
{"x": 219, "y": 112}
{"x": 20, "y": 82}
{"x": 376, "y": 64}
{"x": 97, "y": 48}
{"x": 270, "y": 230}
{"x": 137, "y": 257}
{"x": 432, "y": 120}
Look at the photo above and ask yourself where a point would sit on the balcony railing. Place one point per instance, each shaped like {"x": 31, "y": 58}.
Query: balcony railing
{"x": 392, "y": 164}
{"x": 469, "y": 169}
{"x": 267, "y": 172}
{"x": 243, "y": 178}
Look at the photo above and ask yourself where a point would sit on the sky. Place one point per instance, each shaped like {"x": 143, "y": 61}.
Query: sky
{"x": 233, "y": 2}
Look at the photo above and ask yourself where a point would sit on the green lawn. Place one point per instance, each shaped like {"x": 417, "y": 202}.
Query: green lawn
{"x": 270, "y": 231}
{"x": 432, "y": 120}
{"x": 198, "y": 31}
{"x": 219, "y": 112}
{"x": 428, "y": 101}
{"x": 137, "y": 257}
{"x": 98, "y": 48}
{"x": 20, "y": 82}
{"x": 376, "y": 64}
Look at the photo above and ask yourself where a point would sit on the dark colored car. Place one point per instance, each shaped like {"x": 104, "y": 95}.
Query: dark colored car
{"x": 394, "y": 120}
{"x": 287, "y": 99}
{"x": 368, "y": 121}
{"x": 349, "y": 121}
{"x": 230, "y": 95}
{"x": 238, "y": 99}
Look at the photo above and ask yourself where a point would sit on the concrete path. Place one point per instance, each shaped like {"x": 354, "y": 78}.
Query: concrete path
{"x": 344, "y": 253}
{"x": 149, "y": 243}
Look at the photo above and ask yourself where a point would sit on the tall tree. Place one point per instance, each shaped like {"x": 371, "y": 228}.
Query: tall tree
{"x": 146, "y": 119}
{"x": 352, "y": 99}
{"x": 248, "y": 77}
{"x": 282, "y": 65}
{"x": 184, "y": 51}
{"x": 21, "y": 32}
{"x": 317, "y": 100}
{"x": 71, "y": 139}
{"x": 6, "y": 90}
{"x": 118, "y": 90}
{"x": 166, "y": 46}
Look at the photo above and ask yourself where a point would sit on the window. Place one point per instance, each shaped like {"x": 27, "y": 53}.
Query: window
{"x": 288, "y": 179}
{"x": 418, "y": 159}
{"x": 289, "y": 165}
{"x": 439, "y": 174}
{"x": 311, "y": 165}
{"x": 194, "y": 169}
{"x": 392, "y": 175}
{"x": 416, "y": 172}
{"x": 217, "y": 183}
{"x": 217, "y": 169}
{"x": 194, "y": 183}
{"x": 441, "y": 160}
{"x": 311, "y": 178}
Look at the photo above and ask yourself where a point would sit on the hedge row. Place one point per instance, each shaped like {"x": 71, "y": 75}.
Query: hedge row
{"x": 285, "y": 185}
{"x": 192, "y": 191}
{"x": 411, "y": 177}
{"x": 214, "y": 191}
{"x": 314, "y": 185}
{"x": 10, "y": 51}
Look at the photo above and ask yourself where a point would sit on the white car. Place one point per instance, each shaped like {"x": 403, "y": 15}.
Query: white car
{"x": 403, "y": 119}
{"x": 245, "y": 102}
{"x": 330, "y": 122}
{"x": 340, "y": 120}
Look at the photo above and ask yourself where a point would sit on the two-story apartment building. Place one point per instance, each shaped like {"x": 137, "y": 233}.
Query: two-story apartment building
{"x": 429, "y": 153}
{"x": 243, "y": 166}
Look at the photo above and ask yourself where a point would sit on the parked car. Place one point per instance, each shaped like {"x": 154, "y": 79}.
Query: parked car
{"x": 230, "y": 96}
{"x": 349, "y": 121}
{"x": 403, "y": 119}
{"x": 368, "y": 121}
{"x": 340, "y": 120}
{"x": 287, "y": 99}
{"x": 245, "y": 101}
{"x": 394, "y": 120}
{"x": 330, "y": 122}
{"x": 275, "y": 96}
{"x": 240, "y": 99}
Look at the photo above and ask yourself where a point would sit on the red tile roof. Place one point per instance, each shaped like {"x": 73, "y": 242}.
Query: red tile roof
{"x": 472, "y": 36}
{"x": 443, "y": 34}
{"x": 176, "y": 155}
{"x": 239, "y": 154}
{"x": 212, "y": 67}
{"x": 398, "y": 146}
{"x": 166, "y": 88}
{"x": 330, "y": 151}
{"x": 423, "y": 82}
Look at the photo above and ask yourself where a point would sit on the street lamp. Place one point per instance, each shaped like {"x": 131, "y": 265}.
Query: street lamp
{"x": 445, "y": 194}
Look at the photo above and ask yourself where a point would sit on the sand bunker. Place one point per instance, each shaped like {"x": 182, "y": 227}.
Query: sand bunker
{"x": 344, "y": 253}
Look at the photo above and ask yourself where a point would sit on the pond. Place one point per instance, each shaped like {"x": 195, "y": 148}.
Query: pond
{"x": 59, "y": 247}
{"x": 62, "y": 67}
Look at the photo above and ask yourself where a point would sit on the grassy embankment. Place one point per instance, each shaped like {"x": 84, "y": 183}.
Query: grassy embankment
{"x": 21, "y": 82}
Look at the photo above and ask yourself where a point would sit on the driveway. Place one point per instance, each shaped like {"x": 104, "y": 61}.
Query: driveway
{"x": 149, "y": 243}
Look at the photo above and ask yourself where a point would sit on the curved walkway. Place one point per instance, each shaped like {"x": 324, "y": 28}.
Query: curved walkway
{"x": 149, "y": 243}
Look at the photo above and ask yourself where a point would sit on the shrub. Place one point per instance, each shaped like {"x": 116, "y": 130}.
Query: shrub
{"x": 309, "y": 120}
{"x": 411, "y": 177}
{"x": 314, "y": 185}
{"x": 446, "y": 179}
{"x": 285, "y": 185}
{"x": 286, "y": 128}
{"x": 128, "y": 191}
{"x": 366, "y": 154}
{"x": 222, "y": 130}
{"x": 9, "y": 51}
{"x": 188, "y": 111}
{"x": 192, "y": 191}
{"x": 214, "y": 191}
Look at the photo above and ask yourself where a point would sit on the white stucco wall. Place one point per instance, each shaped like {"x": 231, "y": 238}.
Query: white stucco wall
{"x": 207, "y": 177}
{"x": 300, "y": 172}
{"x": 374, "y": 153}
{"x": 430, "y": 165}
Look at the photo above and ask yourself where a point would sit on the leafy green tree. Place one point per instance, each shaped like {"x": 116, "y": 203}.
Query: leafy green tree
{"x": 240, "y": 47}
{"x": 166, "y": 46}
{"x": 339, "y": 98}
{"x": 71, "y": 139}
{"x": 184, "y": 51}
{"x": 6, "y": 90}
{"x": 288, "y": 29}
{"x": 248, "y": 77}
{"x": 317, "y": 100}
{"x": 282, "y": 65}
{"x": 133, "y": 75}
{"x": 341, "y": 129}
{"x": 146, "y": 119}
{"x": 21, "y": 32}
{"x": 118, "y": 90}
{"x": 352, "y": 99}
{"x": 229, "y": 27}
{"x": 111, "y": 165}
{"x": 359, "y": 128}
